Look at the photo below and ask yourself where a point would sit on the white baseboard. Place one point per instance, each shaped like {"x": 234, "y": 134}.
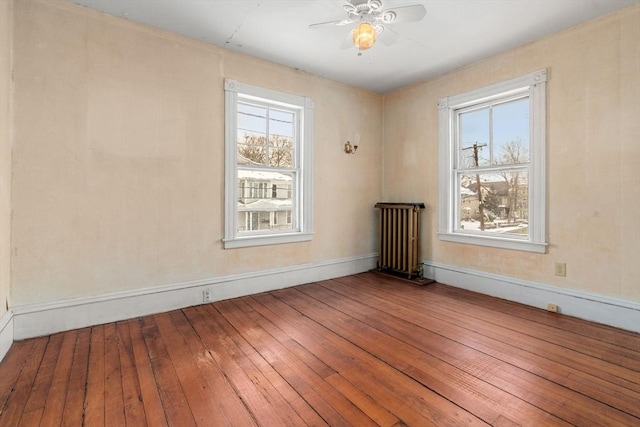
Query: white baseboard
{"x": 594, "y": 307}
{"x": 28, "y": 321}
{"x": 6, "y": 333}
{"x": 42, "y": 319}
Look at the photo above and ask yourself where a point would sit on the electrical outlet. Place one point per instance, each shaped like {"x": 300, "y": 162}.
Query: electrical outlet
{"x": 552, "y": 308}
{"x": 207, "y": 295}
{"x": 560, "y": 269}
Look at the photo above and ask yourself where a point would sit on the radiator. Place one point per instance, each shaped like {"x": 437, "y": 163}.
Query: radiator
{"x": 399, "y": 231}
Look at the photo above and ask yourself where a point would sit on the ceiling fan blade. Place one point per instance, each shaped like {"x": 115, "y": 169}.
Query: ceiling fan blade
{"x": 347, "y": 42}
{"x": 338, "y": 23}
{"x": 388, "y": 37}
{"x": 403, "y": 14}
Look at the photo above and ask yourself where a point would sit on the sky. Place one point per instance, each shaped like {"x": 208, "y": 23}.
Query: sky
{"x": 507, "y": 121}
{"x": 252, "y": 118}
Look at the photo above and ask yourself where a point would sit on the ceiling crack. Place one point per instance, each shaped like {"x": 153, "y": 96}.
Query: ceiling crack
{"x": 244, "y": 18}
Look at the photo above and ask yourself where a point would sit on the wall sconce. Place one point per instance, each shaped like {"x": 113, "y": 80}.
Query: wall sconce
{"x": 350, "y": 149}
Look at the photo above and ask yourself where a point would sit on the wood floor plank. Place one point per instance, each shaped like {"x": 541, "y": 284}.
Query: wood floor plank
{"x": 579, "y": 327}
{"x": 210, "y": 397}
{"x": 574, "y": 408}
{"x": 131, "y": 392}
{"x": 297, "y": 350}
{"x": 601, "y": 350}
{"x": 506, "y": 350}
{"x": 409, "y": 401}
{"x": 193, "y": 385}
{"x": 249, "y": 384}
{"x": 412, "y": 300}
{"x": 358, "y": 398}
{"x": 474, "y": 394}
{"x": 379, "y": 414}
{"x": 114, "y": 412}
{"x": 94, "y": 404}
{"x": 54, "y": 405}
{"x": 626, "y": 357}
{"x": 308, "y": 384}
{"x": 244, "y": 353}
{"x": 73, "y": 407}
{"x": 174, "y": 401}
{"x": 19, "y": 393}
{"x": 223, "y": 391}
{"x": 366, "y": 349}
{"x": 37, "y": 398}
{"x": 306, "y": 364}
{"x": 11, "y": 367}
{"x": 609, "y": 394}
{"x": 149, "y": 394}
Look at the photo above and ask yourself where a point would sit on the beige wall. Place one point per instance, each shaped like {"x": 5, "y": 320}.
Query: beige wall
{"x": 118, "y": 157}
{"x": 593, "y": 152}
{"x": 118, "y": 180}
{"x": 5, "y": 153}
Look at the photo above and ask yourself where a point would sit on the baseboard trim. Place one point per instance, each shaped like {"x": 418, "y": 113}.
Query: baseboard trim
{"x": 6, "y": 333}
{"x": 597, "y": 308}
{"x": 28, "y": 321}
{"x": 47, "y": 318}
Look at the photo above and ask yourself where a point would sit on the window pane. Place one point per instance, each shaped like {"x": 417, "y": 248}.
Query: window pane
{"x": 265, "y": 200}
{"x": 511, "y": 132}
{"x": 252, "y": 118}
{"x": 281, "y": 122}
{"x": 281, "y": 134}
{"x": 252, "y": 134}
{"x": 280, "y": 151}
{"x": 474, "y": 131}
{"x": 252, "y": 150}
{"x": 500, "y": 207}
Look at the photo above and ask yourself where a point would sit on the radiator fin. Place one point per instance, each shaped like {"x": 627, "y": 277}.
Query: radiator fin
{"x": 399, "y": 231}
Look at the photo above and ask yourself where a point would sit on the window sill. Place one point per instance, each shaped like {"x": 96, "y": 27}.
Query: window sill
{"x": 494, "y": 242}
{"x": 264, "y": 240}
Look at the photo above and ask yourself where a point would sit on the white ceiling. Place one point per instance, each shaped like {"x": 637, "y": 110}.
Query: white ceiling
{"x": 453, "y": 32}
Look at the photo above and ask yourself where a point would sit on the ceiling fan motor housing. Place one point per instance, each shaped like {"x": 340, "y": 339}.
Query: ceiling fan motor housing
{"x": 369, "y": 10}
{"x": 370, "y": 19}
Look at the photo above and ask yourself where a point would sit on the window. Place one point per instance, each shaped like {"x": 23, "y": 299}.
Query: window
{"x": 492, "y": 165}
{"x": 268, "y": 146}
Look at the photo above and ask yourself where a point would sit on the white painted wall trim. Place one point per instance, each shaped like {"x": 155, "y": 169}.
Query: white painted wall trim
{"x": 597, "y": 308}
{"x": 28, "y": 321}
{"x": 47, "y": 318}
{"x": 6, "y": 333}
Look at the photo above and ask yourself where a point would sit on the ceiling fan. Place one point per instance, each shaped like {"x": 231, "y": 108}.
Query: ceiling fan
{"x": 371, "y": 19}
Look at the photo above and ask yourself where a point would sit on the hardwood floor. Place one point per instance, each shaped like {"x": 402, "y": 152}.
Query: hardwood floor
{"x": 360, "y": 350}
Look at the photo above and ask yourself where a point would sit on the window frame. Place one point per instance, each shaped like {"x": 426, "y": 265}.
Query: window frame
{"x": 302, "y": 190}
{"x": 534, "y": 85}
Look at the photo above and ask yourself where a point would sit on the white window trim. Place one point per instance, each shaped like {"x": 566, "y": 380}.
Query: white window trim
{"x": 535, "y": 84}
{"x": 304, "y": 152}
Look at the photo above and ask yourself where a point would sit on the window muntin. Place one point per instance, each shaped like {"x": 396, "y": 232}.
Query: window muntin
{"x": 492, "y": 162}
{"x": 268, "y": 164}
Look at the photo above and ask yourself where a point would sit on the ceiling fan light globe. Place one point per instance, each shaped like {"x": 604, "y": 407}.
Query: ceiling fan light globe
{"x": 364, "y": 36}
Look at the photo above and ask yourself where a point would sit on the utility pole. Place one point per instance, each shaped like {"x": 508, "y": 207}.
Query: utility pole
{"x": 475, "y": 148}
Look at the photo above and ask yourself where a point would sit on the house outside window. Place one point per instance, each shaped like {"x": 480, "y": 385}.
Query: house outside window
{"x": 268, "y": 146}
{"x": 492, "y": 165}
